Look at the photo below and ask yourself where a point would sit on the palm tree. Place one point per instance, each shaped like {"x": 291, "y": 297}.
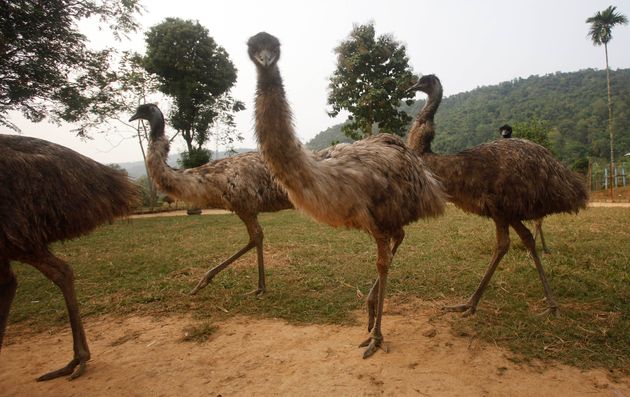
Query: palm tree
{"x": 601, "y": 33}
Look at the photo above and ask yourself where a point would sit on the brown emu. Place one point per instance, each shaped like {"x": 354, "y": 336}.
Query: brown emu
{"x": 376, "y": 185}
{"x": 508, "y": 180}
{"x": 506, "y": 132}
{"x": 50, "y": 193}
{"x": 241, "y": 184}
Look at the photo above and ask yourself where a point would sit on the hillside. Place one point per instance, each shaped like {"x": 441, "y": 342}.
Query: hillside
{"x": 136, "y": 169}
{"x": 574, "y": 104}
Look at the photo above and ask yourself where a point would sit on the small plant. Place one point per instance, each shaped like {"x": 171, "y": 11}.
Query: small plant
{"x": 199, "y": 333}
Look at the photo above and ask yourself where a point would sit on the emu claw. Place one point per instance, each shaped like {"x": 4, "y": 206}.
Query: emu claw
{"x": 551, "y": 310}
{"x": 466, "y": 308}
{"x": 201, "y": 284}
{"x": 373, "y": 344}
{"x": 67, "y": 370}
{"x": 258, "y": 292}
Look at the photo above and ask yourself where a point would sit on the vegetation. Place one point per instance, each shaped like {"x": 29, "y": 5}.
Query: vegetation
{"x": 147, "y": 267}
{"x": 534, "y": 130}
{"x": 196, "y": 73}
{"x": 369, "y": 82}
{"x": 569, "y": 103}
{"x": 46, "y": 68}
{"x": 601, "y": 33}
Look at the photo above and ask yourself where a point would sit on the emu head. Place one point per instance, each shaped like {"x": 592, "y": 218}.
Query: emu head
{"x": 506, "y": 131}
{"x": 263, "y": 50}
{"x": 153, "y": 114}
{"x": 426, "y": 84}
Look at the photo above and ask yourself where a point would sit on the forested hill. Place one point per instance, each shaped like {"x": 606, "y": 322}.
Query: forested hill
{"x": 574, "y": 105}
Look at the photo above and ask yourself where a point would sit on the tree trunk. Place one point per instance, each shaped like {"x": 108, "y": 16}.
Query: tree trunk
{"x": 610, "y": 130}
{"x": 188, "y": 138}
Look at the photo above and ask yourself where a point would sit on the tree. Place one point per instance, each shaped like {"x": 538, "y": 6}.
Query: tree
{"x": 46, "y": 69}
{"x": 135, "y": 85}
{"x": 196, "y": 72}
{"x": 601, "y": 33}
{"x": 370, "y": 81}
{"x": 534, "y": 130}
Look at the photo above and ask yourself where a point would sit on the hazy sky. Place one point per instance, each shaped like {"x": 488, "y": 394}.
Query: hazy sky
{"x": 466, "y": 43}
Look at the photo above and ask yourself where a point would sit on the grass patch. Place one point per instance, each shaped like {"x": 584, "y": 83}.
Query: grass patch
{"x": 199, "y": 333}
{"x": 147, "y": 266}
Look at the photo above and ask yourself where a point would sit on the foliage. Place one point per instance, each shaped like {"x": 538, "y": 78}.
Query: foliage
{"x": 147, "y": 267}
{"x": 117, "y": 167}
{"x": 149, "y": 197}
{"x": 370, "y": 81}
{"x": 194, "y": 158}
{"x": 196, "y": 72}
{"x": 534, "y": 130}
{"x": 602, "y": 23}
{"x": 569, "y": 102}
{"x": 46, "y": 69}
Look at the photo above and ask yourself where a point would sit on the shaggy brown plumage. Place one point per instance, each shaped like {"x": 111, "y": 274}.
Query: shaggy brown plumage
{"x": 50, "y": 193}
{"x": 377, "y": 185}
{"x": 241, "y": 184}
{"x": 508, "y": 180}
{"x": 506, "y": 132}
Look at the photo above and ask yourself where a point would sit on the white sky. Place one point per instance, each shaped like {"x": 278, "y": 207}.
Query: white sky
{"x": 466, "y": 43}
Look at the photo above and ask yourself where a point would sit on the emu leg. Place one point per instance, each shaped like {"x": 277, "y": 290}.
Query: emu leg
{"x": 538, "y": 231}
{"x": 255, "y": 240}
{"x": 529, "y": 242}
{"x": 383, "y": 261}
{"x": 256, "y": 233}
{"x": 373, "y": 295}
{"x": 8, "y": 285}
{"x": 371, "y": 304}
{"x": 61, "y": 274}
{"x": 397, "y": 240}
{"x": 502, "y": 246}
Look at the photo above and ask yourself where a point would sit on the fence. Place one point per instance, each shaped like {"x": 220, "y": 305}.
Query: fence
{"x": 600, "y": 176}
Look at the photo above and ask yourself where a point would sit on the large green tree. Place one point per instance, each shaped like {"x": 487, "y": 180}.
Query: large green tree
{"x": 369, "y": 82}
{"x": 601, "y": 33}
{"x": 196, "y": 73}
{"x": 46, "y": 69}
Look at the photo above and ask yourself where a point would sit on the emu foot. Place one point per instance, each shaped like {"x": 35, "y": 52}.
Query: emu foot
{"x": 466, "y": 308}
{"x": 205, "y": 280}
{"x": 552, "y": 310}
{"x": 259, "y": 292}
{"x": 75, "y": 368}
{"x": 372, "y": 343}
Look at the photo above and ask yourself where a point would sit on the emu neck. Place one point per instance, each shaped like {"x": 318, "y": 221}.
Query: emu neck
{"x": 171, "y": 181}
{"x": 422, "y": 130}
{"x": 281, "y": 150}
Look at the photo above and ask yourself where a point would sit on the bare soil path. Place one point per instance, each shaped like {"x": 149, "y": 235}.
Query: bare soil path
{"x": 142, "y": 356}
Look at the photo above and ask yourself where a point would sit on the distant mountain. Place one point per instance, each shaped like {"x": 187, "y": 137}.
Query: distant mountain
{"x": 574, "y": 104}
{"x": 327, "y": 138}
{"x": 136, "y": 169}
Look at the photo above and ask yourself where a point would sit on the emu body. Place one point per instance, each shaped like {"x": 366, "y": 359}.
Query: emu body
{"x": 241, "y": 184}
{"x": 50, "y": 193}
{"x": 376, "y": 185}
{"x": 507, "y": 180}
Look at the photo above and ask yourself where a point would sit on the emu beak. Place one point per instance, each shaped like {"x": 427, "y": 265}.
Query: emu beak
{"x": 414, "y": 87}
{"x": 266, "y": 58}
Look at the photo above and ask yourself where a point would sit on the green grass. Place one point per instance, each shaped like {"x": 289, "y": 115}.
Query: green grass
{"x": 147, "y": 266}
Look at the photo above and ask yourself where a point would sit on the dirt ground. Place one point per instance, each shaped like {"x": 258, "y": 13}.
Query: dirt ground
{"x": 138, "y": 356}
{"x": 144, "y": 356}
